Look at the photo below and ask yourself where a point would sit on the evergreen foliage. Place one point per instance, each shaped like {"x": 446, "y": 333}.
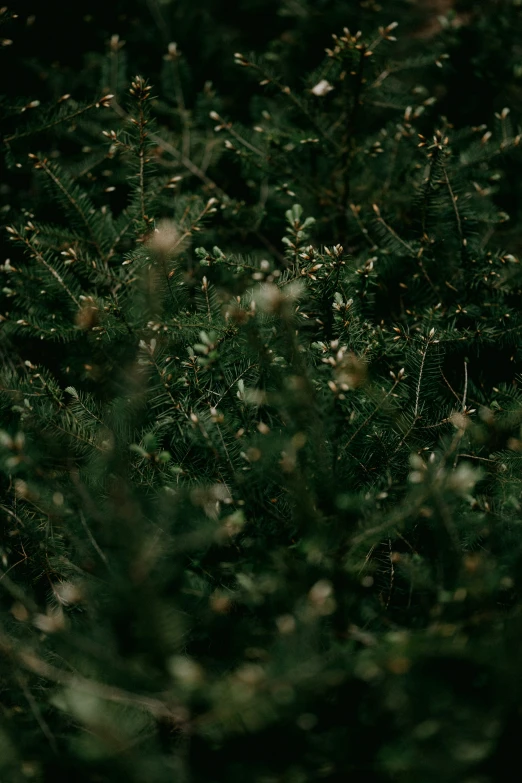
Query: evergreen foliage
{"x": 260, "y": 397}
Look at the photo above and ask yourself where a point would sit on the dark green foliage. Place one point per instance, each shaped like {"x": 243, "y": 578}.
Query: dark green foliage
{"x": 260, "y": 396}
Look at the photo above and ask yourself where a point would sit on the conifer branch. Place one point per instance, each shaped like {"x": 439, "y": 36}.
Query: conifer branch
{"x": 231, "y": 487}
{"x": 465, "y": 394}
{"x": 368, "y": 418}
{"x": 416, "y": 416}
{"x": 184, "y": 160}
{"x": 26, "y": 658}
{"x": 455, "y": 207}
{"x": 93, "y": 541}
{"x": 53, "y": 123}
{"x": 348, "y": 144}
{"x": 391, "y": 231}
{"x": 43, "y": 165}
{"x": 285, "y": 90}
{"x": 35, "y": 253}
{"x": 419, "y": 381}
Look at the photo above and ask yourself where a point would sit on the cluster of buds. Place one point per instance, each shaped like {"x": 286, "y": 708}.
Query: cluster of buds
{"x": 506, "y": 132}
{"x": 347, "y": 41}
{"x": 335, "y": 252}
{"x": 210, "y": 206}
{"x": 222, "y": 124}
{"x": 38, "y": 163}
{"x": 105, "y": 101}
{"x": 29, "y": 227}
{"x": 368, "y": 266}
{"x": 30, "y": 105}
{"x": 285, "y": 188}
{"x": 173, "y": 182}
{"x": 350, "y": 372}
{"x": 375, "y": 149}
{"x": 140, "y": 88}
{"x": 399, "y": 376}
{"x": 310, "y": 272}
{"x": 240, "y": 59}
{"x": 339, "y": 304}
{"x": 8, "y": 267}
{"x": 308, "y": 254}
{"x": 503, "y": 114}
{"x": 384, "y": 32}
{"x": 71, "y": 256}
{"x": 440, "y": 142}
{"x": 344, "y": 42}
{"x": 412, "y": 113}
{"x": 15, "y": 235}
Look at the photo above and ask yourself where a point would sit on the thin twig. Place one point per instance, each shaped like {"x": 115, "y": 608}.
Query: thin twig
{"x": 93, "y": 540}
{"x": 368, "y": 419}
{"x": 39, "y": 257}
{"x": 465, "y": 386}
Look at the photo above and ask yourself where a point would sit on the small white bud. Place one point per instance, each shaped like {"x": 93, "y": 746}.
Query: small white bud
{"x": 322, "y": 88}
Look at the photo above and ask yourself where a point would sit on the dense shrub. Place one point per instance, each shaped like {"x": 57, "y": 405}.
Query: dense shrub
{"x": 260, "y": 395}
